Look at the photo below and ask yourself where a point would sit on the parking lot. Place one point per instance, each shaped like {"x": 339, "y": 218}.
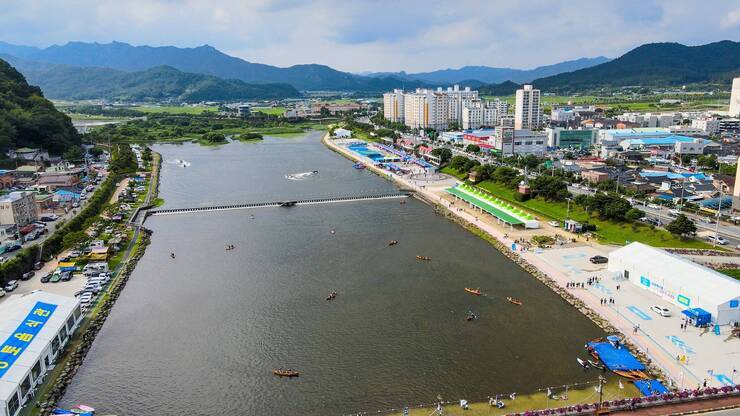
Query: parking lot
{"x": 709, "y": 357}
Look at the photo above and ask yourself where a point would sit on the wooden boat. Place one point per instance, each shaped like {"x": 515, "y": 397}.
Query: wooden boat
{"x": 582, "y": 363}
{"x": 595, "y": 364}
{"x": 425, "y": 258}
{"x": 471, "y": 317}
{"x": 473, "y": 291}
{"x": 514, "y": 301}
{"x": 285, "y": 373}
{"x": 393, "y": 242}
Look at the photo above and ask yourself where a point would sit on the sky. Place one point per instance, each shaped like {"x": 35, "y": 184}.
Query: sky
{"x": 380, "y": 35}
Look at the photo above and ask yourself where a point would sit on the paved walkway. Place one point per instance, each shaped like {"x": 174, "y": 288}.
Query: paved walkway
{"x": 688, "y": 408}
{"x": 660, "y": 338}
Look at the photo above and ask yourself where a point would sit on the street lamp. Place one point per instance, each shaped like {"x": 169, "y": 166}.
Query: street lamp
{"x": 567, "y": 214}
{"x": 719, "y": 214}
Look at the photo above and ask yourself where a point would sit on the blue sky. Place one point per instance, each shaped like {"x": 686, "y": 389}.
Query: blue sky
{"x": 356, "y": 35}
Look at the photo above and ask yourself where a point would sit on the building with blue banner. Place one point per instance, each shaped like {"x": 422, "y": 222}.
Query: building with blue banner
{"x": 34, "y": 329}
{"x": 679, "y": 280}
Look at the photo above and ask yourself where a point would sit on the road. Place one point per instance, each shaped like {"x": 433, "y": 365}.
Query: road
{"x": 729, "y": 232}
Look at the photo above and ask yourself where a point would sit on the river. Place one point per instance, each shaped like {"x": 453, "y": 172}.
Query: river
{"x": 201, "y": 333}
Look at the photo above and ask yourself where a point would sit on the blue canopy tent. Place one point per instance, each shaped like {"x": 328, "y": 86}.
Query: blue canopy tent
{"x": 698, "y": 316}
{"x": 650, "y": 387}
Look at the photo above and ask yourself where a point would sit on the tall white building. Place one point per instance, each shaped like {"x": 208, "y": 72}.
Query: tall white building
{"x": 480, "y": 114}
{"x": 393, "y": 106}
{"x": 458, "y": 100}
{"x": 426, "y": 109}
{"x": 527, "y": 111}
{"x": 735, "y": 98}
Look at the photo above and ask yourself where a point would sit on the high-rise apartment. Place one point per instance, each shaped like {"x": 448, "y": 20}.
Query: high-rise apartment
{"x": 735, "y": 98}
{"x": 393, "y": 106}
{"x": 426, "y": 109}
{"x": 527, "y": 111}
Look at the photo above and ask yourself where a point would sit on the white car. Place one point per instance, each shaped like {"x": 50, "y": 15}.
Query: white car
{"x": 554, "y": 223}
{"x": 721, "y": 241}
{"x": 660, "y": 310}
{"x": 2, "y": 293}
{"x": 11, "y": 286}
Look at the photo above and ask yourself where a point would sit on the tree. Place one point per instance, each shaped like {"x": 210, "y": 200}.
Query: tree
{"x": 709, "y": 161}
{"x": 74, "y": 238}
{"x": 472, "y": 148}
{"x": 443, "y": 153}
{"x": 549, "y": 187}
{"x": 146, "y": 155}
{"x": 96, "y": 151}
{"x": 458, "y": 162}
{"x": 325, "y": 112}
{"x": 681, "y": 226}
{"x": 634, "y": 214}
{"x": 74, "y": 154}
{"x": 214, "y": 137}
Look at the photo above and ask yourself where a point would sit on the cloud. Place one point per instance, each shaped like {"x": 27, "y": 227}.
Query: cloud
{"x": 377, "y": 35}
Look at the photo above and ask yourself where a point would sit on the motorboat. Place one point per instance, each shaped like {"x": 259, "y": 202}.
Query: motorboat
{"x": 471, "y": 317}
{"x": 424, "y": 258}
{"x": 473, "y": 291}
{"x": 359, "y": 165}
{"x": 514, "y": 301}
{"x": 331, "y": 296}
{"x": 582, "y": 363}
{"x": 285, "y": 373}
{"x": 393, "y": 242}
{"x": 595, "y": 364}
{"x": 172, "y": 255}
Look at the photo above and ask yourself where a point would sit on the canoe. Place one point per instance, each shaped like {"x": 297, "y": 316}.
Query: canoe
{"x": 595, "y": 364}
{"x": 582, "y": 363}
{"x": 514, "y": 301}
{"x": 425, "y": 258}
{"x": 473, "y": 291}
{"x": 393, "y": 242}
{"x": 286, "y": 373}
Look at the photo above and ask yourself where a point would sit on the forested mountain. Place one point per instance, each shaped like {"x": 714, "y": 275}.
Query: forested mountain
{"x": 654, "y": 64}
{"x": 157, "y": 84}
{"x": 201, "y": 60}
{"x": 27, "y": 119}
{"x": 492, "y": 75}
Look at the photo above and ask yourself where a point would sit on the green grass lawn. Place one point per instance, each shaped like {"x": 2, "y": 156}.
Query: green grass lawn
{"x": 608, "y": 231}
{"x": 454, "y": 172}
{"x": 277, "y": 111}
{"x": 176, "y": 109}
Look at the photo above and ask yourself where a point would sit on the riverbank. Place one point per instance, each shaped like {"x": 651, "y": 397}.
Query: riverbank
{"x": 501, "y": 239}
{"x": 71, "y": 359}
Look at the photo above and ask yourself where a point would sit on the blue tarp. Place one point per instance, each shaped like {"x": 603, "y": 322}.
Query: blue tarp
{"x": 650, "y": 387}
{"x": 618, "y": 359}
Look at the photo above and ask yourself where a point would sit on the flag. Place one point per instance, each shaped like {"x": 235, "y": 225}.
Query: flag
{"x": 549, "y": 392}
{"x": 621, "y": 386}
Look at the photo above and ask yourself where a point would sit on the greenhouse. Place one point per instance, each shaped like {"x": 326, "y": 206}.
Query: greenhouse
{"x": 488, "y": 203}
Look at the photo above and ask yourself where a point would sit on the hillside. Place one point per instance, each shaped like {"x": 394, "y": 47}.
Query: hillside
{"x": 493, "y": 75}
{"x": 28, "y": 119}
{"x": 654, "y": 64}
{"x": 201, "y": 60}
{"x": 156, "y": 84}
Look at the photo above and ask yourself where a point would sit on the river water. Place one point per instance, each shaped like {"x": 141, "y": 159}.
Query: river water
{"x": 200, "y": 334}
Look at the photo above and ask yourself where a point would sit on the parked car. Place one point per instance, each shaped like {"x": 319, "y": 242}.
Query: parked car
{"x": 28, "y": 275}
{"x": 14, "y": 247}
{"x": 56, "y": 277}
{"x": 2, "y": 293}
{"x": 598, "y": 260}
{"x": 554, "y": 223}
{"x": 45, "y": 278}
{"x": 721, "y": 241}
{"x": 707, "y": 220}
{"x": 66, "y": 276}
{"x": 660, "y": 310}
{"x": 38, "y": 265}
{"x": 11, "y": 286}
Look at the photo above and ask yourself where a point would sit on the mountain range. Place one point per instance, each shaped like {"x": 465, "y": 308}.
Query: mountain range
{"x": 159, "y": 83}
{"x": 120, "y": 70}
{"x": 210, "y": 61}
{"x": 492, "y": 75}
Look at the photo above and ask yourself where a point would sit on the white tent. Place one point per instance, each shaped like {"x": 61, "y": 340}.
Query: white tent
{"x": 679, "y": 280}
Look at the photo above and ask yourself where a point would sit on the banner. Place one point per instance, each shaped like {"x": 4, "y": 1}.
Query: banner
{"x": 19, "y": 340}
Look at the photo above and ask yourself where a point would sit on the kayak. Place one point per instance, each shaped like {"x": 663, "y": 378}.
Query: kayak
{"x": 473, "y": 291}
{"x": 514, "y": 301}
{"x": 286, "y": 373}
{"x": 582, "y": 363}
{"x": 425, "y": 258}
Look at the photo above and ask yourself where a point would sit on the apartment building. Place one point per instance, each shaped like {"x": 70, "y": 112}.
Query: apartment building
{"x": 527, "y": 110}
{"x": 735, "y": 98}
{"x": 18, "y": 208}
{"x": 426, "y": 109}
{"x": 393, "y": 106}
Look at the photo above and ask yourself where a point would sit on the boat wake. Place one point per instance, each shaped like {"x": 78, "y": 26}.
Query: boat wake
{"x": 301, "y": 176}
{"x": 180, "y": 162}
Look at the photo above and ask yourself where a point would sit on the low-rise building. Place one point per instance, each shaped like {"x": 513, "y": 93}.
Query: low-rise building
{"x": 707, "y": 125}
{"x": 34, "y": 329}
{"x": 595, "y": 176}
{"x": 18, "y": 208}
{"x": 570, "y": 139}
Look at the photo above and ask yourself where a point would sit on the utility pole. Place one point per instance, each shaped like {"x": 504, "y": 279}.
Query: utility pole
{"x": 719, "y": 214}
{"x": 601, "y": 393}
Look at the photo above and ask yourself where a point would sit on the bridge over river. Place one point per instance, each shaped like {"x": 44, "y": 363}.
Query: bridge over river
{"x": 273, "y": 204}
